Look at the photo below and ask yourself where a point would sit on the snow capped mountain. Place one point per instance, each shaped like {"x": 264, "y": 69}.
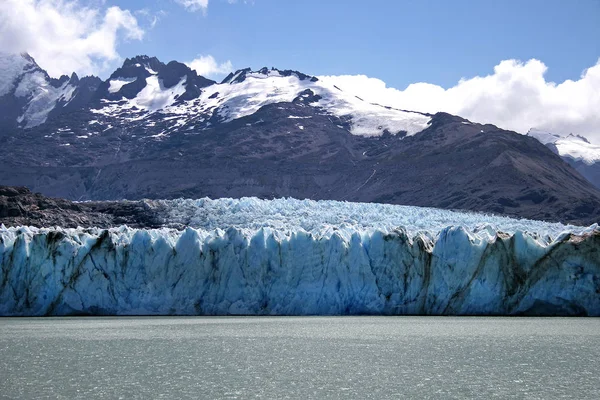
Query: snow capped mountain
{"x": 135, "y": 95}
{"x": 42, "y": 97}
{"x": 574, "y": 149}
{"x": 12, "y": 66}
{"x": 147, "y": 79}
{"x": 144, "y": 86}
{"x": 28, "y": 96}
{"x": 244, "y": 92}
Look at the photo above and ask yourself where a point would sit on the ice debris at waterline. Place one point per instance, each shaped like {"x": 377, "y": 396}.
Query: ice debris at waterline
{"x": 288, "y": 256}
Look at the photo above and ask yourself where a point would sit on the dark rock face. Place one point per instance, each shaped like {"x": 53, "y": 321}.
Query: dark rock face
{"x": 141, "y": 67}
{"x": 237, "y": 76}
{"x": 240, "y": 75}
{"x": 20, "y": 207}
{"x": 86, "y": 88}
{"x": 174, "y": 71}
{"x": 589, "y": 172}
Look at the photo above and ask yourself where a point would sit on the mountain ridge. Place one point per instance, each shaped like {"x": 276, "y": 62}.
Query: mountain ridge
{"x": 155, "y": 130}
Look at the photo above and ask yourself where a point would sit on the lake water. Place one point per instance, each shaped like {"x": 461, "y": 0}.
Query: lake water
{"x": 300, "y": 358}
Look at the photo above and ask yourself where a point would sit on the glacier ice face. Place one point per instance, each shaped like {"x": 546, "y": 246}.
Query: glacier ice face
{"x": 328, "y": 267}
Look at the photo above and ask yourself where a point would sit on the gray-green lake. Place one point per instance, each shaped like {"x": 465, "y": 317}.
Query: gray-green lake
{"x": 300, "y": 358}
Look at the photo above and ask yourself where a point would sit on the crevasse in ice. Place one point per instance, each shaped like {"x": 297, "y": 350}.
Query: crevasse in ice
{"x": 291, "y": 257}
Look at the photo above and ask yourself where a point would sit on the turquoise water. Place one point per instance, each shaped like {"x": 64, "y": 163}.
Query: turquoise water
{"x": 298, "y": 358}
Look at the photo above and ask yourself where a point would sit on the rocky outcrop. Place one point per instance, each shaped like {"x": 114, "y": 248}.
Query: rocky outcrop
{"x": 19, "y": 206}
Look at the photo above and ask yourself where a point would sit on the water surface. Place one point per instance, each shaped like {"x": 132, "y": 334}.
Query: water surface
{"x": 308, "y": 357}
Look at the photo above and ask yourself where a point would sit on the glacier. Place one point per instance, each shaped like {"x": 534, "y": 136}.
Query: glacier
{"x": 303, "y": 257}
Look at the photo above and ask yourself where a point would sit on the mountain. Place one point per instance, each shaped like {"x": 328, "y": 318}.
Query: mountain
{"x": 574, "y": 149}
{"x": 28, "y": 96}
{"x": 155, "y": 130}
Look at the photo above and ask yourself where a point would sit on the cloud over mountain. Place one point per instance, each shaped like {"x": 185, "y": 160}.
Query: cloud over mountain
{"x": 515, "y": 96}
{"x": 206, "y": 65}
{"x": 65, "y": 36}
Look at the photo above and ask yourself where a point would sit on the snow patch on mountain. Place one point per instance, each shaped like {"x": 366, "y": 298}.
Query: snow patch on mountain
{"x": 152, "y": 98}
{"x": 240, "y": 99}
{"x": 369, "y": 119}
{"x": 575, "y": 147}
{"x": 117, "y": 83}
{"x": 11, "y": 67}
{"x": 155, "y": 96}
{"x": 42, "y": 97}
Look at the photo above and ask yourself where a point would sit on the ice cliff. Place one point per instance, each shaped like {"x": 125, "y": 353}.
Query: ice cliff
{"x": 289, "y": 257}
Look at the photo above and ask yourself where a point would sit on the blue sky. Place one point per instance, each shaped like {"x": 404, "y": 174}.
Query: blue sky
{"x": 399, "y": 42}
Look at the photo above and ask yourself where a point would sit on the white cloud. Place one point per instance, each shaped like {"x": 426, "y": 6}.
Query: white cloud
{"x": 208, "y": 66}
{"x": 151, "y": 17}
{"x": 516, "y": 97}
{"x": 194, "y": 5}
{"x": 64, "y": 36}
{"x": 202, "y": 5}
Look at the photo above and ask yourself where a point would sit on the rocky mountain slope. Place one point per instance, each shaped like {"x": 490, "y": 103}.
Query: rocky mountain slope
{"x": 20, "y": 207}
{"x": 155, "y": 130}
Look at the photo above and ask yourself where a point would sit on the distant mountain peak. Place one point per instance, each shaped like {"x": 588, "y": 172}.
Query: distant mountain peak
{"x": 543, "y": 136}
{"x": 241, "y": 74}
{"x": 578, "y": 137}
{"x": 74, "y": 79}
{"x": 547, "y": 137}
{"x": 28, "y": 57}
{"x": 574, "y": 147}
{"x": 12, "y": 66}
{"x": 141, "y": 60}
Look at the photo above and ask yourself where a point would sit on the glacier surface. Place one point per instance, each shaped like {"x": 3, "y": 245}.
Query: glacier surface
{"x": 293, "y": 257}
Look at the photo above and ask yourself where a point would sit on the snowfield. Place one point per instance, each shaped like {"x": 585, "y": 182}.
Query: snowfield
{"x": 237, "y": 98}
{"x": 576, "y": 147}
{"x": 291, "y": 257}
